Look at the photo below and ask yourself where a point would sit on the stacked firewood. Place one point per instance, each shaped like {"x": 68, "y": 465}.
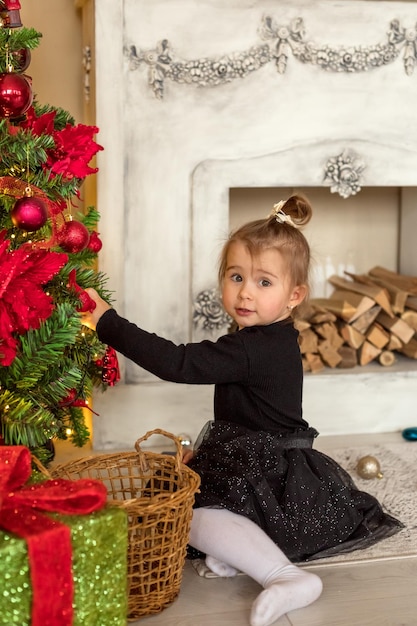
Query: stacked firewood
{"x": 368, "y": 317}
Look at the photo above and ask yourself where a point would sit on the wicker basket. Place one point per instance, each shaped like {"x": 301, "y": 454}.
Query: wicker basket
{"x": 157, "y": 491}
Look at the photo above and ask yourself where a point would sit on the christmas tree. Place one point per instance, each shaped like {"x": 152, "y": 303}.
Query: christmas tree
{"x": 49, "y": 361}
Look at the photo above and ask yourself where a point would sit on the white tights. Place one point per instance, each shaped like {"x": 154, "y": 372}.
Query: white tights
{"x": 233, "y": 543}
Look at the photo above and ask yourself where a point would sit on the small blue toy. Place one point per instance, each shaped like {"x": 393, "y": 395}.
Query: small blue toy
{"x": 410, "y": 433}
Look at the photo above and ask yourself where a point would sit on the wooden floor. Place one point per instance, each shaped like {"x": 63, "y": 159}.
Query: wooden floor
{"x": 380, "y": 593}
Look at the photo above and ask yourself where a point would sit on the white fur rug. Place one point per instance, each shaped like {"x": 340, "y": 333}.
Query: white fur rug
{"x": 397, "y": 492}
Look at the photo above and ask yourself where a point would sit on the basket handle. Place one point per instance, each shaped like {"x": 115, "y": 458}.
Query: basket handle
{"x": 176, "y": 440}
{"x": 40, "y": 467}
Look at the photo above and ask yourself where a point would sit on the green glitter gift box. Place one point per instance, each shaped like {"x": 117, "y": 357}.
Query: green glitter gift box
{"x": 99, "y": 546}
{"x": 59, "y": 568}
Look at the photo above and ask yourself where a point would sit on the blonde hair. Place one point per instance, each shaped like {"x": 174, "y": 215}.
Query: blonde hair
{"x": 283, "y": 236}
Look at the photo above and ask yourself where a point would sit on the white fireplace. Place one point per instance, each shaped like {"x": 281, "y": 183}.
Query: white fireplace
{"x": 199, "y": 101}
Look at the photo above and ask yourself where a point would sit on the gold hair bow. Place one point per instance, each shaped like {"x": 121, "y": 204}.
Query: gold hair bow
{"x": 280, "y": 216}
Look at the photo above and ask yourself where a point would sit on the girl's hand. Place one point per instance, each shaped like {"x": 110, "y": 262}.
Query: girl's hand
{"x": 91, "y": 319}
{"x": 187, "y": 456}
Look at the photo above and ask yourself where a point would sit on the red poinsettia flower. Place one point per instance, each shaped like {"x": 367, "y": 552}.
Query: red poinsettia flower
{"x": 23, "y": 303}
{"x": 74, "y": 149}
{"x": 74, "y": 145}
{"x": 42, "y": 125}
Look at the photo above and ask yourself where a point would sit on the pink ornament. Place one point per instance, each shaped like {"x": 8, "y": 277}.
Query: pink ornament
{"x": 15, "y": 94}
{"x": 73, "y": 237}
{"x": 29, "y": 213}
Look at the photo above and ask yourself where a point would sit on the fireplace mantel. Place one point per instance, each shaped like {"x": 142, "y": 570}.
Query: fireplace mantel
{"x": 194, "y": 98}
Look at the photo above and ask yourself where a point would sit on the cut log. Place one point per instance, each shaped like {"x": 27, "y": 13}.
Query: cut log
{"x": 406, "y": 283}
{"x": 368, "y": 352}
{"x": 308, "y": 341}
{"x": 328, "y": 353}
{"x": 398, "y": 297}
{"x": 352, "y": 337}
{"x": 364, "y": 279}
{"x": 315, "y": 363}
{"x": 328, "y": 330}
{"x": 377, "y": 335}
{"x": 387, "y": 358}
{"x": 412, "y": 303}
{"x": 364, "y": 321}
{"x": 397, "y": 326}
{"x": 301, "y": 325}
{"x": 319, "y": 316}
{"x": 360, "y": 303}
{"x": 379, "y": 294}
{"x": 410, "y": 317}
{"x": 340, "y": 307}
{"x": 395, "y": 343}
{"x": 410, "y": 349}
{"x": 349, "y": 357}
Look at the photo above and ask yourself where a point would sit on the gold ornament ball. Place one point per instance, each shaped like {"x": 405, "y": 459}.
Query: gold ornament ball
{"x": 368, "y": 467}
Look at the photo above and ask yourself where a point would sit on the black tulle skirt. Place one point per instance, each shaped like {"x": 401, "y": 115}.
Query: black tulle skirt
{"x": 305, "y": 501}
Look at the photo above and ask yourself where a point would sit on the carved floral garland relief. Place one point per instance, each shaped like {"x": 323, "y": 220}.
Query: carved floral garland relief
{"x": 282, "y": 42}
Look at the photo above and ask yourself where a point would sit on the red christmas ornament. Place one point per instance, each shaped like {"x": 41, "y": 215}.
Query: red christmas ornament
{"x": 15, "y": 94}
{"x": 29, "y": 213}
{"x": 95, "y": 244}
{"x": 73, "y": 236}
{"x": 110, "y": 364}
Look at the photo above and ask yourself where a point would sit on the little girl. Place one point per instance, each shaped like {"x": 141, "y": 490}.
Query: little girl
{"x": 268, "y": 499}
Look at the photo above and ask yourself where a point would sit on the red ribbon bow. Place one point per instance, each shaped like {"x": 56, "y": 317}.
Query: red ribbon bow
{"x": 48, "y": 541}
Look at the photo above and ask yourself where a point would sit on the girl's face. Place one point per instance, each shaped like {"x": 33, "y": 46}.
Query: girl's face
{"x": 256, "y": 290}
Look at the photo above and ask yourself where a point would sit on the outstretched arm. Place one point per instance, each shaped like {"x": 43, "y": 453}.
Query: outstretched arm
{"x": 204, "y": 363}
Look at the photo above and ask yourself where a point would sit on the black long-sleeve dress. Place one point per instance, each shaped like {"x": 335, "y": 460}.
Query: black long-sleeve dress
{"x": 256, "y": 458}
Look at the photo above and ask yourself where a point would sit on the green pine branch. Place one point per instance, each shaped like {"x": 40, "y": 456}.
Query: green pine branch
{"x": 43, "y": 347}
{"x": 24, "y": 422}
{"x": 22, "y": 149}
{"x": 23, "y": 156}
{"x": 55, "y": 187}
{"x": 90, "y": 218}
{"x": 57, "y": 381}
{"x": 62, "y": 117}
{"x": 16, "y": 39}
{"x": 13, "y": 40}
{"x": 79, "y": 431}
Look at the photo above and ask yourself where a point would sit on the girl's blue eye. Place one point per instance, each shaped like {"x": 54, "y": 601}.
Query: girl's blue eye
{"x": 265, "y": 283}
{"x": 237, "y": 278}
